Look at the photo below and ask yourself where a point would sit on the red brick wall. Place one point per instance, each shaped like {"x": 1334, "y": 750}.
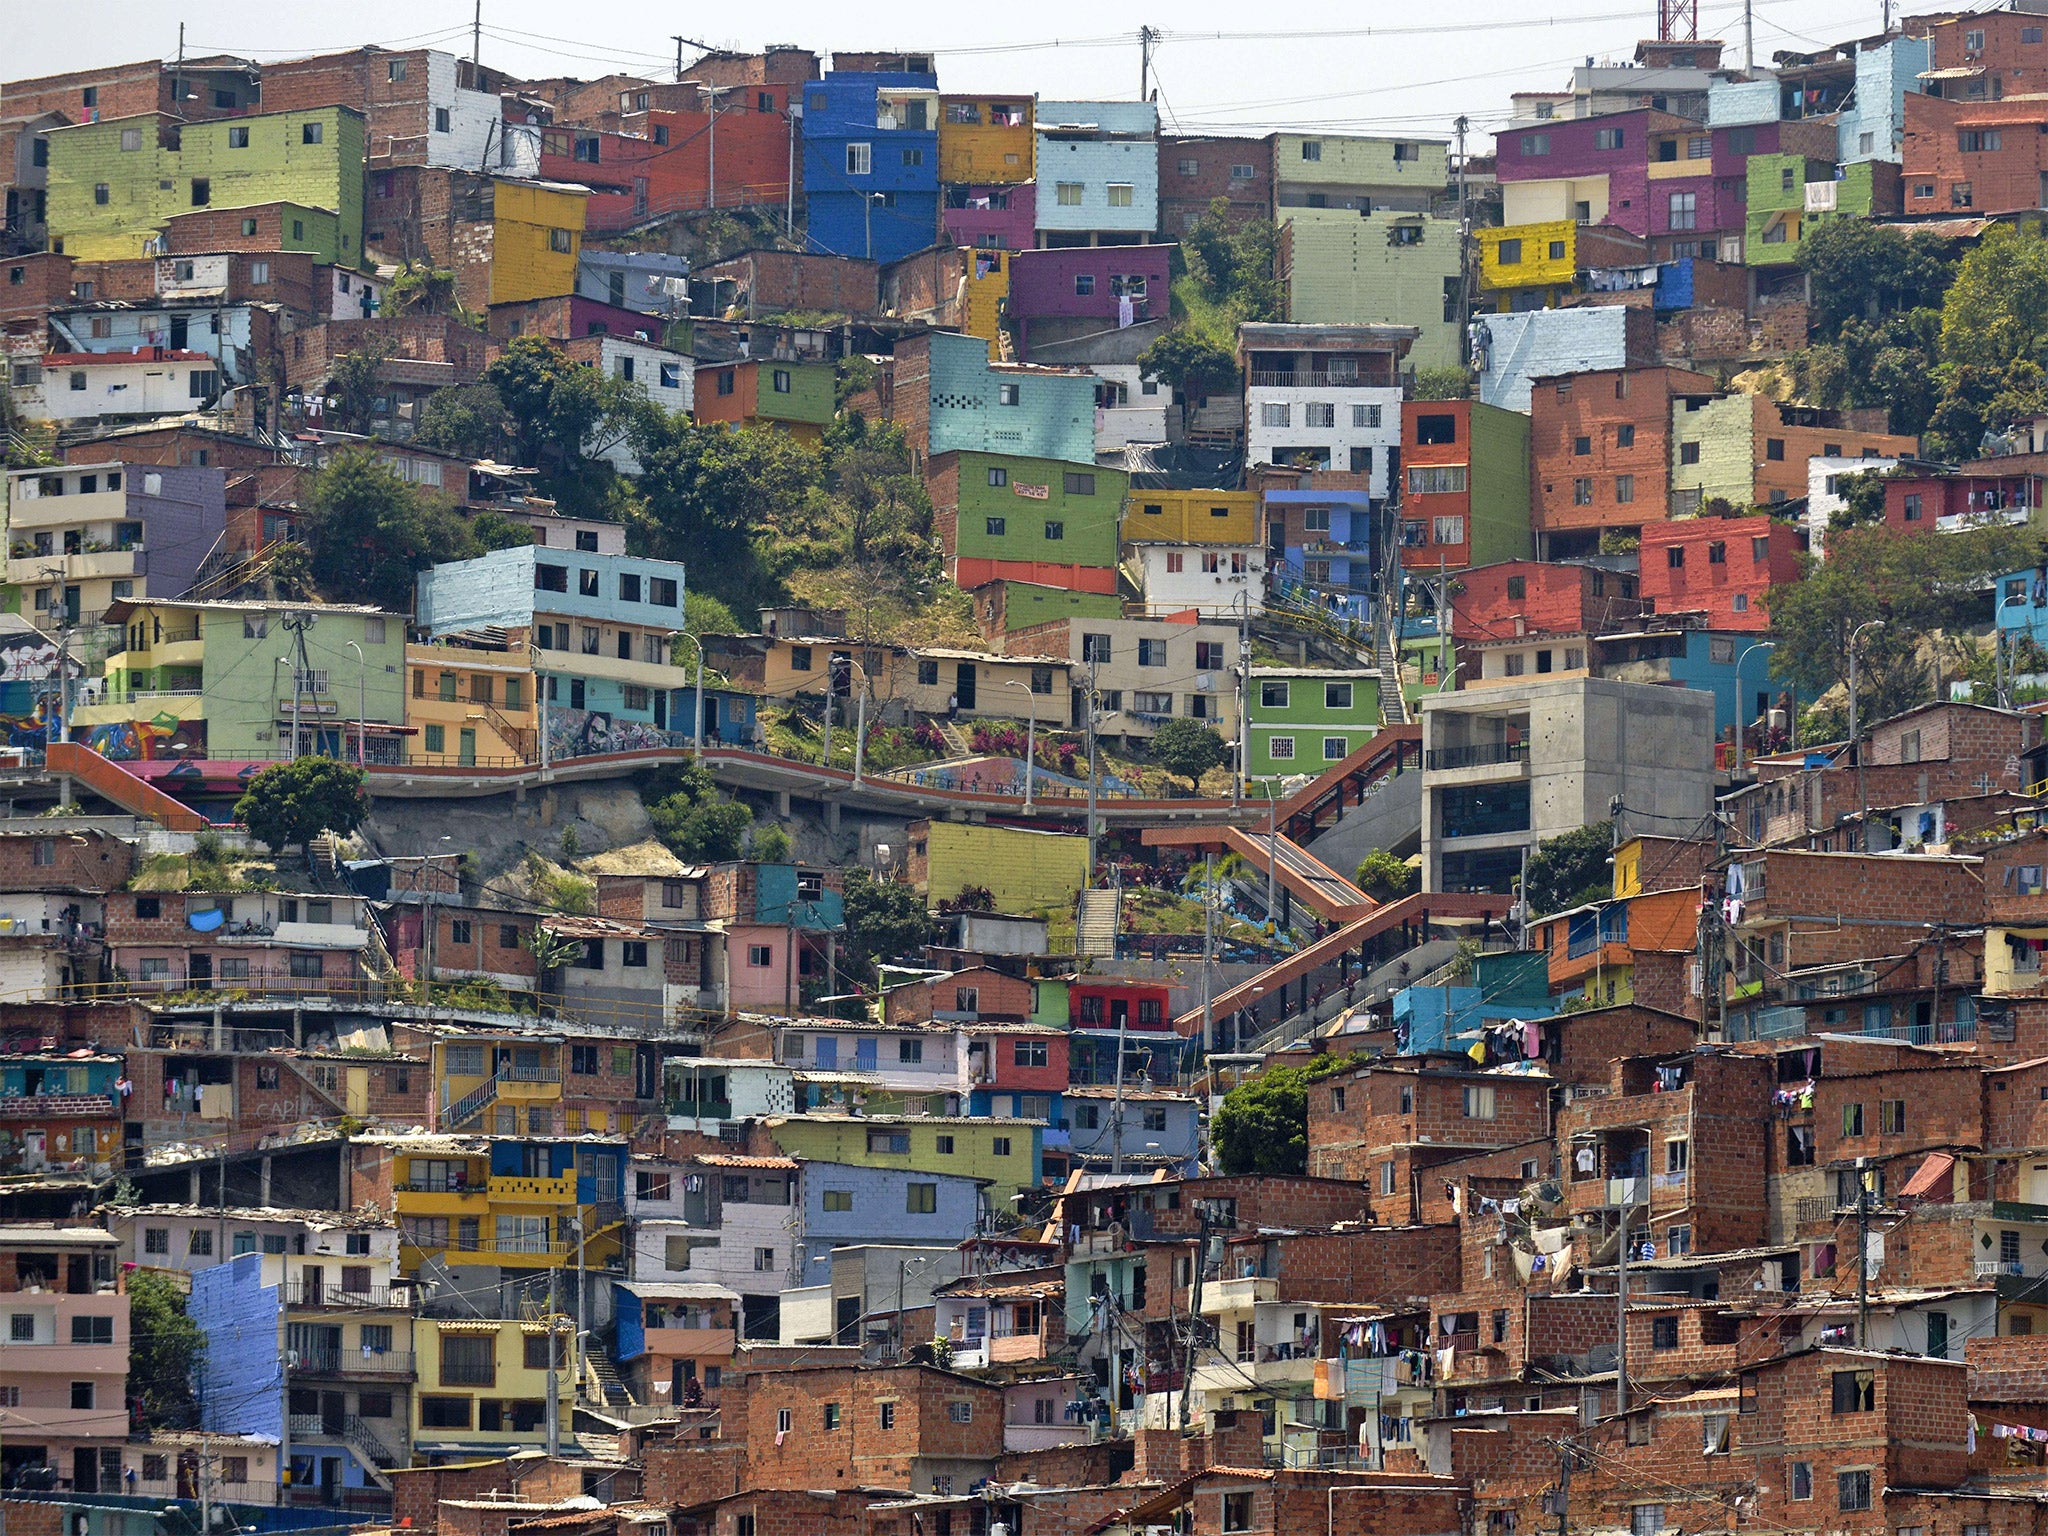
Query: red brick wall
{"x": 1183, "y": 199}
{"x": 2004, "y": 180}
{"x": 1555, "y": 600}
{"x": 396, "y": 112}
{"x": 1704, "y": 584}
{"x": 860, "y": 1452}
{"x": 44, "y": 282}
{"x": 1592, "y": 406}
{"x": 80, "y": 861}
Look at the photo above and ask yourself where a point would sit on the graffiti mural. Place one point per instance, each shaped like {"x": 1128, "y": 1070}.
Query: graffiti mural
{"x": 589, "y": 732}
{"x": 165, "y": 738}
{"x": 30, "y": 658}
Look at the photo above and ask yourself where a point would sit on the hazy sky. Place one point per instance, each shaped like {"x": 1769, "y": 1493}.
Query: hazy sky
{"x": 1373, "y": 67}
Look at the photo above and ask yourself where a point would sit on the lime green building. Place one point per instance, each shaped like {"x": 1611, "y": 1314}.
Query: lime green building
{"x": 1008, "y": 1153}
{"x": 1386, "y": 267}
{"x": 996, "y": 513}
{"x": 1301, "y": 720}
{"x": 1788, "y": 195}
{"x": 113, "y": 183}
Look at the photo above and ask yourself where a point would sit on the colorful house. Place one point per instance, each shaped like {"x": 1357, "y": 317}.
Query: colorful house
{"x": 782, "y": 393}
{"x": 1098, "y": 170}
{"x": 1025, "y": 871}
{"x": 1191, "y": 517}
{"x": 81, "y": 537}
{"x": 1301, "y": 721}
{"x": 1065, "y": 294}
{"x": 1002, "y": 517}
{"x": 973, "y": 404}
{"x": 870, "y": 163}
{"x": 1387, "y": 266}
{"x": 536, "y": 238}
{"x": 1789, "y": 195}
{"x": 113, "y": 182}
{"x": 483, "y": 1383}
{"x": 510, "y": 1203}
{"x": 1467, "y": 471}
{"x": 602, "y": 627}
{"x": 1722, "y": 567}
{"x": 1323, "y": 540}
{"x": 985, "y": 139}
{"x": 181, "y": 683}
{"x": 1006, "y": 1153}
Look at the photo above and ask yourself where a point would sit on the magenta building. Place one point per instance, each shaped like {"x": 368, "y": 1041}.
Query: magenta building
{"x": 1063, "y": 293}
{"x": 990, "y": 217}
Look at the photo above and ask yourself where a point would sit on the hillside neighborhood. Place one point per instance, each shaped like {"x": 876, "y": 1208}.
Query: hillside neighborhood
{"x": 787, "y": 801}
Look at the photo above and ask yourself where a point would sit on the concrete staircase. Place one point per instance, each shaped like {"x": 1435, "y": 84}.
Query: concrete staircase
{"x": 957, "y": 738}
{"x": 1393, "y": 708}
{"x": 1096, "y": 922}
{"x": 610, "y": 1389}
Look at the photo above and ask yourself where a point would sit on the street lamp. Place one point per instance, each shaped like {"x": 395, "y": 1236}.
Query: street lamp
{"x": 697, "y": 730}
{"x": 714, "y": 92}
{"x": 1030, "y": 738}
{"x": 1740, "y": 712}
{"x": 867, "y": 208}
{"x": 362, "y": 707}
{"x": 1855, "y": 742}
{"x": 540, "y": 705}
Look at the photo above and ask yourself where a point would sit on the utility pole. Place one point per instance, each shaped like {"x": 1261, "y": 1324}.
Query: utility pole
{"x": 679, "y": 55}
{"x": 476, "y": 45}
{"x": 1091, "y": 769}
{"x": 1621, "y": 1314}
{"x": 860, "y": 738}
{"x": 1209, "y": 951}
{"x": 1244, "y": 698}
{"x": 1862, "y": 1253}
{"x": 1145, "y": 38}
{"x": 789, "y": 188}
{"x": 1464, "y": 245}
{"x": 1748, "y": 38}
{"x": 298, "y": 622}
{"x": 1116, "y": 1114}
{"x": 554, "y": 1406}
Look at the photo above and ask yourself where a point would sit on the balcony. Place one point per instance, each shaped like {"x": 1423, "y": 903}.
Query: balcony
{"x": 390, "y": 1298}
{"x": 353, "y": 1362}
{"x": 1238, "y": 1295}
{"x": 1264, "y": 378}
{"x": 118, "y": 564}
{"x": 1476, "y": 755}
{"x": 690, "y": 1343}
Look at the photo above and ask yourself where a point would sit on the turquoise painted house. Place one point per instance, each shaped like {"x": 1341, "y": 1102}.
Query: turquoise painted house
{"x": 979, "y": 406}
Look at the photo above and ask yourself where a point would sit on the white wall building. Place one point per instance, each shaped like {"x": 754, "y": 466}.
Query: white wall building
{"x": 81, "y": 386}
{"x": 1216, "y": 580}
{"x": 1824, "y": 496}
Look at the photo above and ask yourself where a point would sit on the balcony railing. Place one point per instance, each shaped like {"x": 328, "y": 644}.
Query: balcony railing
{"x": 353, "y": 1362}
{"x": 1264, "y": 378}
{"x": 1477, "y": 755}
{"x": 299, "y": 1294}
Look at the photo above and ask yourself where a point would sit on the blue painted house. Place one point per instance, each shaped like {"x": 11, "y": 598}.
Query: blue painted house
{"x": 978, "y": 406}
{"x": 241, "y": 1383}
{"x": 1159, "y": 1129}
{"x": 871, "y": 164}
{"x": 1098, "y": 171}
{"x": 603, "y": 626}
{"x": 846, "y": 1205}
{"x": 1696, "y": 658}
{"x": 729, "y": 716}
{"x": 1320, "y": 545}
{"x": 1510, "y": 985}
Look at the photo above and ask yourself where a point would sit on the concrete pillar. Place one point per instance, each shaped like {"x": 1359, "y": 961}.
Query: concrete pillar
{"x": 220, "y": 1037}
{"x": 298, "y": 1025}
{"x": 782, "y": 803}
{"x": 195, "y": 1200}
{"x": 263, "y": 1181}
{"x": 831, "y": 815}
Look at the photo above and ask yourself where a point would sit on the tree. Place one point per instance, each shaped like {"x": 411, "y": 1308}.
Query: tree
{"x": 1862, "y": 502}
{"x": 739, "y": 506}
{"x": 1453, "y": 383}
{"x": 1188, "y": 748}
{"x": 1570, "y": 869}
{"x": 1919, "y": 585}
{"x": 770, "y": 844}
{"x": 1996, "y": 311}
{"x": 1858, "y": 270}
{"x": 1262, "y": 1126}
{"x": 884, "y": 919}
{"x": 494, "y": 530}
{"x": 1232, "y": 264}
{"x": 469, "y": 419}
{"x": 558, "y": 411}
{"x": 353, "y": 379}
{"x": 165, "y": 1348}
{"x": 693, "y": 819}
{"x": 372, "y": 533}
{"x": 422, "y": 289}
{"x": 1386, "y": 876}
{"x": 1190, "y": 362}
{"x": 294, "y": 802}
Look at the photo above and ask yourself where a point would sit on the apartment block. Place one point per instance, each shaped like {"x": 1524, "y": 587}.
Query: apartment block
{"x": 1466, "y": 500}
{"x": 1097, "y": 172}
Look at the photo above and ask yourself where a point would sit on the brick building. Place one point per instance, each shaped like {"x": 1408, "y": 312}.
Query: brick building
{"x": 1600, "y": 453}
{"x": 1722, "y": 567}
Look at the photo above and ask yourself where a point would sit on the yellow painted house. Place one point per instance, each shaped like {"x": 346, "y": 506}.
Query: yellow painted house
{"x": 515, "y": 1205}
{"x": 1008, "y": 1153}
{"x": 498, "y": 1085}
{"x": 536, "y": 238}
{"x": 1191, "y": 517}
{"x": 988, "y": 289}
{"x": 1024, "y": 871}
{"x": 985, "y": 139}
{"x": 1521, "y": 256}
{"x": 467, "y": 705}
{"x": 484, "y": 1381}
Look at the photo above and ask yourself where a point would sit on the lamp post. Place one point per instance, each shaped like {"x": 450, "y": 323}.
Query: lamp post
{"x": 362, "y": 705}
{"x": 867, "y": 208}
{"x": 1741, "y": 713}
{"x": 697, "y": 730}
{"x": 1855, "y": 738}
{"x": 1030, "y": 738}
{"x": 540, "y": 706}
{"x": 713, "y": 92}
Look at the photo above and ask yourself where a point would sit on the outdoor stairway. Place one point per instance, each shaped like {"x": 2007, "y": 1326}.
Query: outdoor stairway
{"x": 1393, "y": 708}
{"x": 609, "y": 1386}
{"x": 957, "y": 738}
{"x": 471, "y": 1104}
{"x": 1095, "y": 924}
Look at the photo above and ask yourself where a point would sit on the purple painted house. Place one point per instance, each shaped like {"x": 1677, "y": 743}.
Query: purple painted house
{"x": 1576, "y": 151}
{"x": 992, "y": 218}
{"x": 84, "y": 536}
{"x": 1049, "y": 290}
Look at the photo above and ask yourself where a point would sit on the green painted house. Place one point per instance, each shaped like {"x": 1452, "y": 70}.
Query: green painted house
{"x": 1787, "y": 195}
{"x": 1008, "y": 1153}
{"x": 216, "y": 678}
{"x": 113, "y": 184}
{"x": 998, "y": 513}
{"x": 1383, "y": 268}
{"x": 1302, "y": 719}
{"x": 1021, "y": 604}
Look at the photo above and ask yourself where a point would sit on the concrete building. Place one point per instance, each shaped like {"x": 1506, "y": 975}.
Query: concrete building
{"x": 114, "y": 181}
{"x": 1301, "y": 720}
{"x": 82, "y": 537}
{"x": 182, "y": 674}
{"x": 1358, "y": 173}
{"x": 1325, "y": 396}
{"x": 1750, "y": 451}
{"x": 1194, "y": 172}
{"x": 1507, "y": 765}
{"x": 1791, "y": 195}
{"x": 1326, "y": 542}
{"x": 951, "y": 398}
{"x": 870, "y": 162}
{"x": 419, "y": 106}
{"x": 985, "y": 140}
{"x": 1059, "y": 295}
{"x": 1389, "y": 266}
{"x": 1145, "y": 670}
{"x": 1510, "y": 352}
{"x": 1097, "y": 172}
{"x": 65, "y": 387}
{"x": 65, "y": 1358}
{"x": 1466, "y": 500}
{"x": 1216, "y": 581}
{"x": 1873, "y": 124}
{"x": 653, "y": 282}
{"x": 998, "y": 516}
{"x": 603, "y": 622}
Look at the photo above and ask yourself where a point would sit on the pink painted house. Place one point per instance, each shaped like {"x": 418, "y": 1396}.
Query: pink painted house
{"x": 1060, "y": 293}
{"x": 992, "y": 217}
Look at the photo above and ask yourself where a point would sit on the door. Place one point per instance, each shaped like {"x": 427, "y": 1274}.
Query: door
{"x": 963, "y": 685}
{"x": 2037, "y": 1183}
{"x": 1937, "y": 1335}
{"x": 310, "y": 1281}
{"x": 333, "y": 1412}
{"x": 188, "y": 1474}
{"x": 661, "y": 709}
{"x": 181, "y": 332}
{"x": 71, "y": 609}
{"x": 1119, "y": 1013}
{"x": 330, "y": 1477}
{"x": 465, "y": 748}
{"x": 85, "y": 1470}
{"x": 710, "y": 718}
{"x": 199, "y": 968}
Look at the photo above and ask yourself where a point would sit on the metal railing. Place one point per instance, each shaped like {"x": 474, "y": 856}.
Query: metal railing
{"x": 1478, "y": 755}
{"x": 297, "y": 1293}
{"x": 1267, "y": 378}
{"x": 352, "y": 1362}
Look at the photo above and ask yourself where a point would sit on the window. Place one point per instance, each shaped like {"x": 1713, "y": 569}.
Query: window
{"x": 860, "y": 159}
{"x": 1281, "y": 749}
{"x": 1799, "y": 1480}
{"x": 92, "y": 1330}
{"x": 1960, "y": 195}
{"x": 1582, "y": 491}
{"x": 887, "y": 1415}
{"x": 1009, "y": 394}
{"x": 1852, "y": 1490}
{"x": 1237, "y": 1507}
{"x": 312, "y": 133}
{"x": 1152, "y": 653}
{"x": 996, "y": 527}
{"x": 1319, "y": 413}
{"x": 1080, "y": 484}
{"x": 81, "y": 1394}
{"x": 1336, "y": 695}
{"x": 1535, "y": 144}
{"x": 131, "y": 140}
{"x": 1891, "y": 1117}
{"x": 1029, "y": 1053}
{"x": 999, "y": 1146}
{"x": 469, "y": 1361}
{"x": 1607, "y": 138}
{"x": 1852, "y": 1119}
{"x": 889, "y": 1141}
{"x": 1645, "y": 1519}
{"x": 921, "y": 1199}
{"x": 838, "y": 1199}
{"x": 1120, "y": 194}
{"x": 1685, "y": 210}
{"x": 1479, "y": 1103}
{"x": 764, "y": 1261}
{"x": 1855, "y": 1392}
{"x": 1509, "y": 253}
{"x": 238, "y": 138}
{"x": 1067, "y": 194}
